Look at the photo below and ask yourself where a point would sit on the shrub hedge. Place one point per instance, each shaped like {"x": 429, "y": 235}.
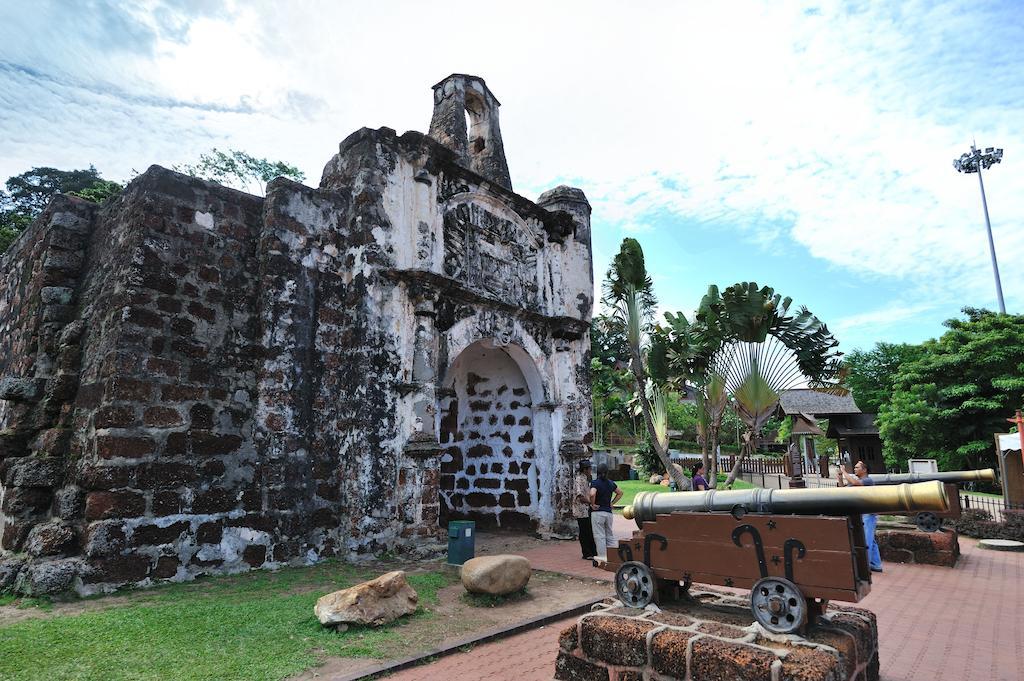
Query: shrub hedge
{"x": 980, "y": 524}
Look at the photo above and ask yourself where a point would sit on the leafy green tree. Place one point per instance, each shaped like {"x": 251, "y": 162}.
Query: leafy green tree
{"x": 612, "y": 385}
{"x": 11, "y": 225}
{"x": 949, "y": 400}
{"x": 682, "y": 416}
{"x": 607, "y": 342}
{"x": 28, "y": 193}
{"x": 240, "y": 170}
{"x": 871, "y": 373}
{"x": 100, "y": 191}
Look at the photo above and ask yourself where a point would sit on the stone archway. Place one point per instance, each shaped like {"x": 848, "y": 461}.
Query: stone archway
{"x": 489, "y": 463}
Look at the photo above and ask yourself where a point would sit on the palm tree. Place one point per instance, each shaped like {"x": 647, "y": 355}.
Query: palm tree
{"x": 629, "y": 292}
{"x": 713, "y": 403}
{"x": 759, "y": 349}
{"x": 681, "y": 351}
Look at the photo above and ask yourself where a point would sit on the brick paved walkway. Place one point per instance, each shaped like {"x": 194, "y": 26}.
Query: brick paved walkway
{"x": 936, "y": 624}
{"x": 524, "y": 657}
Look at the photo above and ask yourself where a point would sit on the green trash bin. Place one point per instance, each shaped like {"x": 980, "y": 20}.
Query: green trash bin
{"x": 461, "y": 541}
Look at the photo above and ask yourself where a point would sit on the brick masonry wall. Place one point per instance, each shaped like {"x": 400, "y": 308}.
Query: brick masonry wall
{"x": 714, "y": 640}
{"x": 913, "y": 546}
{"x": 163, "y": 425}
{"x": 487, "y": 469}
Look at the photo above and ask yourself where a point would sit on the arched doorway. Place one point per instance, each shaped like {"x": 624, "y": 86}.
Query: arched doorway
{"x": 488, "y": 464}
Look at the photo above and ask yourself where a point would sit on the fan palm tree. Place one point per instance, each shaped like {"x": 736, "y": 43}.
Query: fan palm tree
{"x": 759, "y": 349}
{"x": 629, "y": 292}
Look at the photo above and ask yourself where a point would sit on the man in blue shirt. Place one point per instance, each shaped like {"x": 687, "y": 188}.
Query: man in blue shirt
{"x": 603, "y": 493}
{"x": 860, "y": 478}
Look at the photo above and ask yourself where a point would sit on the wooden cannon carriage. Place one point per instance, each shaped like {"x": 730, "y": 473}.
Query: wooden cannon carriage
{"x": 763, "y": 540}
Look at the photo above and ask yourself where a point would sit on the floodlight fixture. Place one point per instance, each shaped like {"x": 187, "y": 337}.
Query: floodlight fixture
{"x": 974, "y": 162}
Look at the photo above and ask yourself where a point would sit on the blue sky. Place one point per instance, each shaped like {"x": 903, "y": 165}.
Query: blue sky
{"x": 807, "y": 146}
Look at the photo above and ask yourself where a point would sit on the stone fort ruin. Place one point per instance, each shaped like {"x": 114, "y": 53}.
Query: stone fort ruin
{"x": 197, "y": 380}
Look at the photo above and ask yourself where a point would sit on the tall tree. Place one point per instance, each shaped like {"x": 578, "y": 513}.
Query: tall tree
{"x": 28, "y": 193}
{"x": 948, "y": 401}
{"x": 762, "y": 349}
{"x": 630, "y": 293}
{"x": 872, "y": 373}
{"x": 240, "y": 170}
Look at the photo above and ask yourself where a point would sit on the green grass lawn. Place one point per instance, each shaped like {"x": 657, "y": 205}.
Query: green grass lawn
{"x": 631, "y": 487}
{"x": 982, "y": 494}
{"x": 254, "y": 626}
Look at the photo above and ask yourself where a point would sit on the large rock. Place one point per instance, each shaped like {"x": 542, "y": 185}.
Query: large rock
{"x": 496, "y": 575}
{"x": 655, "y": 479}
{"x": 371, "y": 603}
{"x": 10, "y": 568}
{"x": 48, "y": 577}
{"x": 51, "y": 539}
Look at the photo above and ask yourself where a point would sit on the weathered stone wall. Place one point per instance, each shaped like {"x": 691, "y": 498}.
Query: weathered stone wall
{"x": 39, "y": 361}
{"x": 198, "y": 380}
{"x": 711, "y": 639}
{"x": 163, "y": 429}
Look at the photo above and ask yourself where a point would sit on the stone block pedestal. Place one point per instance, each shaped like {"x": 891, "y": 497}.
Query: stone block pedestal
{"x": 714, "y": 638}
{"x": 914, "y": 546}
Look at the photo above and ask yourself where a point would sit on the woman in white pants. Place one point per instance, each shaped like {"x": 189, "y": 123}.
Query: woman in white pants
{"x": 603, "y": 493}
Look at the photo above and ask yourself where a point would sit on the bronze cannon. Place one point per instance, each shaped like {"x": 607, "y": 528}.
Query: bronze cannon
{"x": 795, "y": 549}
{"x": 931, "y": 521}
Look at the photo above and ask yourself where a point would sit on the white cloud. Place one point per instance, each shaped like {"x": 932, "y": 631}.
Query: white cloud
{"x": 834, "y": 127}
{"x": 882, "y": 318}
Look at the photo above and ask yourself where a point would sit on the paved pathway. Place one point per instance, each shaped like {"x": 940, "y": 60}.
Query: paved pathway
{"x": 524, "y": 657}
{"x": 937, "y": 624}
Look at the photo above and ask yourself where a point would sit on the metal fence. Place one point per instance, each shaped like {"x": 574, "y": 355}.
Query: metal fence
{"x": 816, "y": 481}
{"x": 994, "y": 506}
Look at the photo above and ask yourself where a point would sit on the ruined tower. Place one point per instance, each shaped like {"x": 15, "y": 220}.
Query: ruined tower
{"x": 194, "y": 379}
{"x": 466, "y": 121}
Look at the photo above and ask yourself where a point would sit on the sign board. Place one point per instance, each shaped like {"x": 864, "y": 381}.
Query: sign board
{"x": 1011, "y": 467}
{"x": 923, "y": 465}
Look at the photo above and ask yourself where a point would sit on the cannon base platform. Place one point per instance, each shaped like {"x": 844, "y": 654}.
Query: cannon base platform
{"x": 714, "y": 637}
{"x": 940, "y": 548}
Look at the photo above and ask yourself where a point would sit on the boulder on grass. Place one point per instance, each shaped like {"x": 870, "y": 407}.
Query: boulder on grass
{"x": 655, "y": 479}
{"x": 496, "y": 575}
{"x": 371, "y": 603}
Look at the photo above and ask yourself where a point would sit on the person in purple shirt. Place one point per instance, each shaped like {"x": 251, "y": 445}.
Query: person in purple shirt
{"x": 697, "y": 482}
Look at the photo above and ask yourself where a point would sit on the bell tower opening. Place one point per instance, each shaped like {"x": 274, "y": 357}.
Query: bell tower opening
{"x": 465, "y": 120}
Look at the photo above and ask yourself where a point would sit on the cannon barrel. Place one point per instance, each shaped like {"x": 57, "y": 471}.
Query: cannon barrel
{"x": 986, "y": 475}
{"x": 921, "y": 496}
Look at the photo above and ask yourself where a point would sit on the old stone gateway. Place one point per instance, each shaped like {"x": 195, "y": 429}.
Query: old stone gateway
{"x": 196, "y": 380}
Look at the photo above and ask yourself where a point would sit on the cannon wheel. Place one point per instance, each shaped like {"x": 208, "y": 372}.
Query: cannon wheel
{"x": 778, "y": 605}
{"x": 928, "y": 522}
{"x": 635, "y": 586}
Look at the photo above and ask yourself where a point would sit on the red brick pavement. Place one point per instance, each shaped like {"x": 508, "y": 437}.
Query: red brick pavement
{"x": 936, "y": 624}
{"x": 523, "y": 657}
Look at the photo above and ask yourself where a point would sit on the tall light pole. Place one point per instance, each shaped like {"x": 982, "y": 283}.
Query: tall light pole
{"x": 973, "y": 162}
